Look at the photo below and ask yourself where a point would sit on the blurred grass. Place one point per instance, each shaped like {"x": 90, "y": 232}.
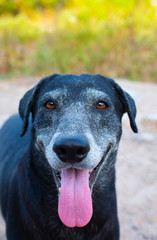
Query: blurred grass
{"x": 116, "y": 38}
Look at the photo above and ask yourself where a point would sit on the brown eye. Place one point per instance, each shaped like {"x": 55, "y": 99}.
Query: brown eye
{"x": 101, "y": 105}
{"x": 50, "y": 105}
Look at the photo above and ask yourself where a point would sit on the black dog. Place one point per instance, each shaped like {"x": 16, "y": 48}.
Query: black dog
{"x": 58, "y": 180}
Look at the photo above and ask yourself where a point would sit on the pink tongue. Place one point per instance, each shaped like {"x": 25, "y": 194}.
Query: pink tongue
{"x": 75, "y": 203}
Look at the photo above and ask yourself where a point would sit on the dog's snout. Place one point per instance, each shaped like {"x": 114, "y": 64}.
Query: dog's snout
{"x": 71, "y": 149}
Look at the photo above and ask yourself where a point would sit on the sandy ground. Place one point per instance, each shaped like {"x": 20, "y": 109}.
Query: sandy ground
{"x": 137, "y": 158}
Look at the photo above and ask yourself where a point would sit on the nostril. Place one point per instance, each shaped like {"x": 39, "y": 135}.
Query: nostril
{"x": 62, "y": 152}
{"x": 81, "y": 152}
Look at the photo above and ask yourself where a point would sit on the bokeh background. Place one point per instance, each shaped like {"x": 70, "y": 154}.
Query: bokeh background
{"x": 117, "y": 38}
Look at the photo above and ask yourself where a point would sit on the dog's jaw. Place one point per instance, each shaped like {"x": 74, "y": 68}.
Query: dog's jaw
{"x": 93, "y": 173}
{"x": 75, "y": 192}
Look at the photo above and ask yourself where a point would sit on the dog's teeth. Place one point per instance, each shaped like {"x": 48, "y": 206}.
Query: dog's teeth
{"x": 59, "y": 189}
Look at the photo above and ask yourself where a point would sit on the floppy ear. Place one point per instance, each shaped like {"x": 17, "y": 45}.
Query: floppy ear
{"x": 25, "y": 106}
{"x": 129, "y": 106}
{"x": 26, "y": 103}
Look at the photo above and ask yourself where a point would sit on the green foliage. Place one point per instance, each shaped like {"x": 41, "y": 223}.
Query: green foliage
{"x": 19, "y": 29}
{"x": 16, "y": 6}
{"x": 116, "y": 38}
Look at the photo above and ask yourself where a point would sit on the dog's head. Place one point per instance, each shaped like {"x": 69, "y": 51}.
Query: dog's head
{"x": 77, "y": 124}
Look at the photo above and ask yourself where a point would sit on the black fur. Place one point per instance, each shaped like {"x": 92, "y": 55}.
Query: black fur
{"x": 28, "y": 192}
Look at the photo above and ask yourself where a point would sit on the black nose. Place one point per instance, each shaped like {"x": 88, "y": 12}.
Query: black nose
{"x": 71, "y": 149}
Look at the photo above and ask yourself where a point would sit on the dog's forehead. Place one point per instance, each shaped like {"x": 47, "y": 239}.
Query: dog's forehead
{"x": 85, "y": 84}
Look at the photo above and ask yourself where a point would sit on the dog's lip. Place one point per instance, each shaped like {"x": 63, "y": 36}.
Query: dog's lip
{"x": 92, "y": 172}
{"x": 95, "y": 171}
{"x": 57, "y": 175}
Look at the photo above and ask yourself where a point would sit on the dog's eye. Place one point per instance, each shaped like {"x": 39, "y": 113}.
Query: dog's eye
{"x": 101, "y": 105}
{"x": 50, "y": 105}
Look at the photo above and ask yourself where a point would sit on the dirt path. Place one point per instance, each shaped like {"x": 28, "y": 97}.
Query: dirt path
{"x": 137, "y": 159}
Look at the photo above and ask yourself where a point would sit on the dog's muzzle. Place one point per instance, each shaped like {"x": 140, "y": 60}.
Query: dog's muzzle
{"x": 75, "y": 207}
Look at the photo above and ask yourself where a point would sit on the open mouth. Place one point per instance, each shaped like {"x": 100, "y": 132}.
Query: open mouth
{"x": 75, "y": 206}
{"x": 92, "y": 172}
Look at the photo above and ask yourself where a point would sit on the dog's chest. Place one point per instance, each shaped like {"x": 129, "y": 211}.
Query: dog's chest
{"x": 64, "y": 234}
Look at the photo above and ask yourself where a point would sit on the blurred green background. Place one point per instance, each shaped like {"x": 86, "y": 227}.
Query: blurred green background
{"x": 117, "y": 38}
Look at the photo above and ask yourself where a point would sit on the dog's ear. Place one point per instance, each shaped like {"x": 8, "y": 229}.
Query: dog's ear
{"x": 26, "y": 103}
{"x": 129, "y": 106}
{"x": 25, "y": 106}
